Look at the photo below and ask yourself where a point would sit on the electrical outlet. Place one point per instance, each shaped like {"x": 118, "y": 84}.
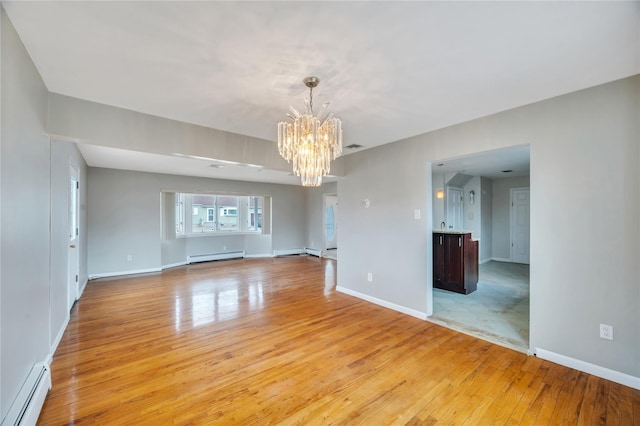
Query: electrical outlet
{"x": 129, "y": 258}
{"x": 224, "y": 248}
{"x": 606, "y": 332}
{"x": 370, "y": 277}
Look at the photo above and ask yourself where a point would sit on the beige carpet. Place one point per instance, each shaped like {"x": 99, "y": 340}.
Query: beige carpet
{"x": 497, "y": 311}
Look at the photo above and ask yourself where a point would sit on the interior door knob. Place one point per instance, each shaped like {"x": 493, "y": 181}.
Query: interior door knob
{"x": 72, "y": 246}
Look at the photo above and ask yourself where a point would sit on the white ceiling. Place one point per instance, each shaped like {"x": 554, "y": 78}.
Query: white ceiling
{"x": 390, "y": 69}
{"x": 501, "y": 163}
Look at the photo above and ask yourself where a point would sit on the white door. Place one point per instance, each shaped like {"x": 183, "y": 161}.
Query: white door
{"x": 454, "y": 208}
{"x": 520, "y": 225}
{"x": 73, "y": 269}
{"x": 330, "y": 222}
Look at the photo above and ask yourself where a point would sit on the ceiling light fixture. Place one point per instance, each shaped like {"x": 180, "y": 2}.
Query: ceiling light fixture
{"x": 310, "y": 142}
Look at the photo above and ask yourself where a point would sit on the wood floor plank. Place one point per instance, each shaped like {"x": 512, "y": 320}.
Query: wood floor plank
{"x": 270, "y": 341}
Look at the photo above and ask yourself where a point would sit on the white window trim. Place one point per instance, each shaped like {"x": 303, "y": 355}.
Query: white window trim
{"x": 243, "y": 216}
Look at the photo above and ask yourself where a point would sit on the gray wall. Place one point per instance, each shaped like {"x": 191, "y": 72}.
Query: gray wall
{"x": 314, "y": 207}
{"x": 124, "y": 218}
{"x": 24, "y": 217}
{"x": 486, "y": 222}
{"x": 472, "y": 212}
{"x": 62, "y": 154}
{"x": 99, "y": 124}
{"x": 501, "y": 215}
{"x": 584, "y": 148}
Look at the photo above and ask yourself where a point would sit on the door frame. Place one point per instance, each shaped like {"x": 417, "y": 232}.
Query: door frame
{"x": 325, "y": 197}
{"x": 73, "y": 235}
{"x": 460, "y": 219}
{"x": 431, "y": 186}
{"x": 512, "y": 227}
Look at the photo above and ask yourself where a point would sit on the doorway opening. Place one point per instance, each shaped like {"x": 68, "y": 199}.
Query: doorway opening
{"x": 330, "y": 226}
{"x": 73, "y": 266}
{"x": 490, "y": 192}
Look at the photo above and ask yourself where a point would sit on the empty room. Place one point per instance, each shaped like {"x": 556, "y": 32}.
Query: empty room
{"x": 276, "y": 212}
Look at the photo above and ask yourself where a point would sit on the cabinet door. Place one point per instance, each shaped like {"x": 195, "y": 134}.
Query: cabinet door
{"x": 438, "y": 259}
{"x": 454, "y": 260}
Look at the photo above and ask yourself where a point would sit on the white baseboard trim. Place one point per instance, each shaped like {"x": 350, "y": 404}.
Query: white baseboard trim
{"x": 485, "y": 261}
{"x": 500, "y": 259}
{"x": 255, "y": 256}
{"x": 56, "y": 341}
{"x": 173, "y": 265}
{"x": 287, "y": 252}
{"x": 82, "y": 287}
{"x": 596, "y": 370}
{"x": 117, "y": 274}
{"x": 384, "y": 303}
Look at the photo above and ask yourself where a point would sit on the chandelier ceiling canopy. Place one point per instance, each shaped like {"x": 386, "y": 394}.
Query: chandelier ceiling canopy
{"x": 310, "y": 142}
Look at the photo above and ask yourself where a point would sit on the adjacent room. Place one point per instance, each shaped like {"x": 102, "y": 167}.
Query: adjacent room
{"x": 319, "y": 212}
{"x": 487, "y": 197}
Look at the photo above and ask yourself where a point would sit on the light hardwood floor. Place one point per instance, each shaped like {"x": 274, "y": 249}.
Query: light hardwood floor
{"x": 270, "y": 341}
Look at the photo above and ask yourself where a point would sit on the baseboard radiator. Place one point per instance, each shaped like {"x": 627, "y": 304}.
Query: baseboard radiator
{"x": 26, "y": 408}
{"x": 215, "y": 256}
{"x": 287, "y": 252}
{"x": 313, "y": 252}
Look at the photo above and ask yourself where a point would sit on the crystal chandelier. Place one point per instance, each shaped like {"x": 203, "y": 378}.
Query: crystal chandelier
{"x": 311, "y": 143}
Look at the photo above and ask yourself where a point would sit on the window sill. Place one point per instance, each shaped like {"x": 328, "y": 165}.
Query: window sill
{"x": 220, "y": 234}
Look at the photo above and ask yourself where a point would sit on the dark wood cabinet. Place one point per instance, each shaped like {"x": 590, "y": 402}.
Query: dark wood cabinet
{"x": 455, "y": 262}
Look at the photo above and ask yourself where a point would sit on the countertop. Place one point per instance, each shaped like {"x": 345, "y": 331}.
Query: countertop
{"x": 451, "y": 231}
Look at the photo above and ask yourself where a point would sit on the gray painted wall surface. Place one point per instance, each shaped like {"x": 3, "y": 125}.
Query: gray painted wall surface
{"x": 62, "y": 154}
{"x": 438, "y": 205}
{"x": 486, "y": 222}
{"x": 473, "y": 212}
{"x": 584, "y": 146}
{"x": 105, "y": 125}
{"x": 385, "y": 239}
{"x": 314, "y": 207}
{"x": 124, "y": 218}
{"x": 501, "y": 215}
{"x": 24, "y": 228}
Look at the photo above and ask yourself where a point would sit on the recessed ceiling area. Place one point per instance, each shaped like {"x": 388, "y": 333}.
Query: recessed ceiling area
{"x": 113, "y": 158}
{"x": 390, "y": 70}
{"x": 490, "y": 164}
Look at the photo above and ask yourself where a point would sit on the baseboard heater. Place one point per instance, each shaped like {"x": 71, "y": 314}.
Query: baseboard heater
{"x": 27, "y": 405}
{"x": 288, "y": 252}
{"x": 313, "y": 252}
{"x": 215, "y": 256}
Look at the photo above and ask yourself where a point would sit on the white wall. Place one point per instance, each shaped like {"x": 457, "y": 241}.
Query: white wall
{"x": 501, "y": 215}
{"x": 124, "y": 218}
{"x": 24, "y": 217}
{"x": 584, "y": 250}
